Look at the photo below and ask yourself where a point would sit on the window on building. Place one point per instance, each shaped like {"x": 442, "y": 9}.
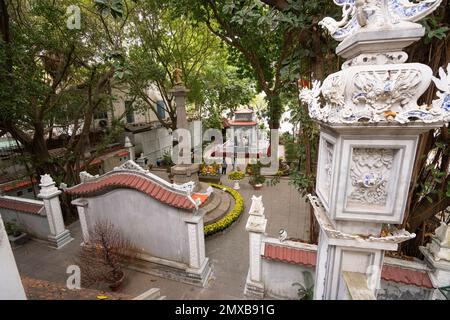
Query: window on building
{"x": 161, "y": 109}
{"x": 130, "y": 112}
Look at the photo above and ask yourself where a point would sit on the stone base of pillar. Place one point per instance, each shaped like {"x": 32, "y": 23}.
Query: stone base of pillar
{"x": 59, "y": 241}
{"x": 185, "y": 173}
{"x": 174, "y": 271}
{"x": 253, "y": 288}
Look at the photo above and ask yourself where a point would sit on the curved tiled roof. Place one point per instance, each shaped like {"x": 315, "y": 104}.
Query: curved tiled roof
{"x": 406, "y": 276}
{"x": 135, "y": 181}
{"x": 290, "y": 255}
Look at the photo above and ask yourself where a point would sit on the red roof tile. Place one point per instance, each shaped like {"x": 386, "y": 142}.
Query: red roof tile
{"x": 122, "y": 153}
{"x": 406, "y": 276}
{"x": 14, "y": 185}
{"x": 140, "y": 183}
{"x": 291, "y": 255}
{"x": 20, "y": 206}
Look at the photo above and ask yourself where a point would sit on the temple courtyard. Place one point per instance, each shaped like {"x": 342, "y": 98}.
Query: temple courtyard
{"x": 228, "y": 251}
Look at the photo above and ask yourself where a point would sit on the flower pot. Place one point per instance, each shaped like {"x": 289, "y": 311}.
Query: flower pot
{"x": 115, "y": 286}
{"x": 236, "y": 185}
{"x": 258, "y": 186}
{"x": 18, "y": 239}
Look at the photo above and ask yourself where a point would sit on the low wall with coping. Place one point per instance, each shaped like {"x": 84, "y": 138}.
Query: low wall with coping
{"x": 29, "y": 215}
{"x": 288, "y": 262}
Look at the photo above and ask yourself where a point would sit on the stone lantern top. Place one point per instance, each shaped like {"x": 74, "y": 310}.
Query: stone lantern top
{"x": 377, "y": 25}
{"x": 375, "y": 85}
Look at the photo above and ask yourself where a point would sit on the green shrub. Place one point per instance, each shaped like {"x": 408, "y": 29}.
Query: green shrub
{"x": 231, "y": 217}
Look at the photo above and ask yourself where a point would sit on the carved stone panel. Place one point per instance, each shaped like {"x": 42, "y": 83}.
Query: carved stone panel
{"x": 370, "y": 173}
{"x": 372, "y": 178}
{"x": 325, "y": 168}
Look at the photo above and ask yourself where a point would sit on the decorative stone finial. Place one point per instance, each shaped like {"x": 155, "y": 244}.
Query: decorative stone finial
{"x": 128, "y": 143}
{"x": 46, "y": 181}
{"x": 85, "y": 176}
{"x": 48, "y": 188}
{"x": 282, "y": 235}
{"x": 257, "y": 207}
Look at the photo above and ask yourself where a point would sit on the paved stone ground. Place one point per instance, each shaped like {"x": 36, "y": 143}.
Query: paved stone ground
{"x": 284, "y": 208}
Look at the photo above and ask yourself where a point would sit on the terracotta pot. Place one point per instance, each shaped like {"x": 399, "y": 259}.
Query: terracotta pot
{"x": 116, "y": 285}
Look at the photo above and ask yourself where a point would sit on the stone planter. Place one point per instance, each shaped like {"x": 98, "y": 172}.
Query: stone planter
{"x": 17, "y": 241}
{"x": 116, "y": 285}
{"x": 236, "y": 185}
{"x": 210, "y": 179}
{"x": 258, "y": 186}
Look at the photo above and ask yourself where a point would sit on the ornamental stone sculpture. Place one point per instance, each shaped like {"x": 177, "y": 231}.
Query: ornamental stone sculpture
{"x": 370, "y": 122}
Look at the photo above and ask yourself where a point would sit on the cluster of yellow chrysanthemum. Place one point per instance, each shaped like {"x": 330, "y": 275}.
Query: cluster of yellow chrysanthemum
{"x": 231, "y": 217}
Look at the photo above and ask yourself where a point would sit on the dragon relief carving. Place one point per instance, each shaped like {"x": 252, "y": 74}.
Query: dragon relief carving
{"x": 386, "y": 90}
{"x": 442, "y": 104}
{"x": 328, "y": 168}
{"x": 369, "y": 172}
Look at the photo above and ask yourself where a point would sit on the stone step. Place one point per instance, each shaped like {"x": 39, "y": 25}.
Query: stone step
{"x": 226, "y": 204}
{"x": 212, "y": 203}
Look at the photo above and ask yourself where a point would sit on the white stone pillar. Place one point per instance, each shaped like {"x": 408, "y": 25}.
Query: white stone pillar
{"x": 256, "y": 226}
{"x": 196, "y": 240}
{"x": 199, "y": 269}
{"x": 11, "y": 287}
{"x": 59, "y": 235}
{"x": 82, "y": 205}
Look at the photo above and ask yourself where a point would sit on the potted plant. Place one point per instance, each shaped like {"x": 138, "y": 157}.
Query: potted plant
{"x": 236, "y": 176}
{"x": 105, "y": 257}
{"x": 15, "y": 235}
{"x": 257, "y": 181}
{"x": 210, "y": 173}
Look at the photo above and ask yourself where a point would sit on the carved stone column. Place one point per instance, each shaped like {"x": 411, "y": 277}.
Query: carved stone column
{"x": 256, "y": 226}
{"x": 82, "y": 207}
{"x": 370, "y": 124}
{"x": 131, "y": 148}
{"x": 49, "y": 193}
{"x": 199, "y": 265}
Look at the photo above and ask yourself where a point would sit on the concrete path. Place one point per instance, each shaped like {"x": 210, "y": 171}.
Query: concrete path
{"x": 228, "y": 251}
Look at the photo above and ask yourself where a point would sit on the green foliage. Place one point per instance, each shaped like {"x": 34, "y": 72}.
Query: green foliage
{"x": 256, "y": 177}
{"x": 291, "y": 151}
{"x": 236, "y": 175}
{"x": 112, "y": 7}
{"x": 306, "y": 291}
{"x": 231, "y": 216}
{"x": 12, "y": 229}
{"x": 164, "y": 38}
{"x": 167, "y": 159}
